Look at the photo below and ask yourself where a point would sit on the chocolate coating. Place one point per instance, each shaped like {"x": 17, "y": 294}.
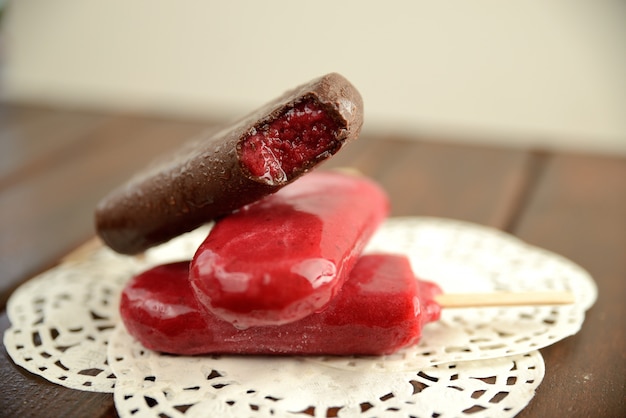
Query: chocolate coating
{"x": 206, "y": 179}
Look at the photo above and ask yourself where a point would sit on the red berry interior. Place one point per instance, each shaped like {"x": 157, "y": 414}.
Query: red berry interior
{"x": 275, "y": 150}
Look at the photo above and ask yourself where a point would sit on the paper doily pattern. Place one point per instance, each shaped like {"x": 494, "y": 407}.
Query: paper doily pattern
{"x": 235, "y": 386}
{"x": 61, "y": 320}
{"x": 65, "y": 320}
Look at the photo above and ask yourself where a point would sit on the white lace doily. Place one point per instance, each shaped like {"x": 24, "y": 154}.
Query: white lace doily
{"x": 239, "y": 386}
{"x": 63, "y": 320}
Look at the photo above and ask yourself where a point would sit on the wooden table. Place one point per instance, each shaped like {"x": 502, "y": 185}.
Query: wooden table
{"x": 55, "y": 164}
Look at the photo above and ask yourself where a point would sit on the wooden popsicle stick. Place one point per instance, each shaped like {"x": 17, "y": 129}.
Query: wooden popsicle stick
{"x": 83, "y": 251}
{"x": 495, "y": 299}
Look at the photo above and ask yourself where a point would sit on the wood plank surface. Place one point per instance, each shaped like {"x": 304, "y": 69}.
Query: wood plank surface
{"x": 29, "y": 137}
{"x": 572, "y": 204}
{"x": 46, "y": 214}
{"x": 578, "y": 210}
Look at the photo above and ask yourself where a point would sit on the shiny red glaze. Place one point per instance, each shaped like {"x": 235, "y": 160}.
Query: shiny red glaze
{"x": 380, "y": 309}
{"x": 159, "y": 308}
{"x": 275, "y": 150}
{"x": 286, "y": 256}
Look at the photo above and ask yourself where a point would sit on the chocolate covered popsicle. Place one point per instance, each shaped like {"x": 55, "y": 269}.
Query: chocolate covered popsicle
{"x": 213, "y": 176}
{"x": 286, "y": 256}
{"x": 380, "y": 309}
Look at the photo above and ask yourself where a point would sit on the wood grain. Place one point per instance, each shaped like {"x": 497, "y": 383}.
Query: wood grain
{"x": 30, "y": 137}
{"x": 45, "y": 215}
{"x": 578, "y": 210}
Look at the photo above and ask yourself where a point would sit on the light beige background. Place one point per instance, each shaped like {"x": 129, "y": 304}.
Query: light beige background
{"x": 529, "y": 73}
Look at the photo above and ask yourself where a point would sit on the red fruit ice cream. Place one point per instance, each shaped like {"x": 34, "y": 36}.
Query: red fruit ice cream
{"x": 286, "y": 256}
{"x": 380, "y": 309}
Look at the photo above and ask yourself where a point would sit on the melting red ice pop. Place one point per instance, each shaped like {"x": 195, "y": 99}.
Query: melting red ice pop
{"x": 380, "y": 309}
{"x": 286, "y": 256}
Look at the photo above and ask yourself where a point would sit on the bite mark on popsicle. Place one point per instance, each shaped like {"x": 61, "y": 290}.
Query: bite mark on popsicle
{"x": 274, "y": 151}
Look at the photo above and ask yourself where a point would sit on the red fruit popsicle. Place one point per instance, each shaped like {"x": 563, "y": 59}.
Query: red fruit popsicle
{"x": 380, "y": 309}
{"x": 286, "y": 256}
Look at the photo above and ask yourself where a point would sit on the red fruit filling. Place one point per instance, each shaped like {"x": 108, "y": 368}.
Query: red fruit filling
{"x": 303, "y": 134}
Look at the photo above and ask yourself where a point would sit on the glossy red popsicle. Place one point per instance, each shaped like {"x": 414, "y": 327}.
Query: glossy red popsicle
{"x": 286, "y": 256}
{"x": 380, "y": 309}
